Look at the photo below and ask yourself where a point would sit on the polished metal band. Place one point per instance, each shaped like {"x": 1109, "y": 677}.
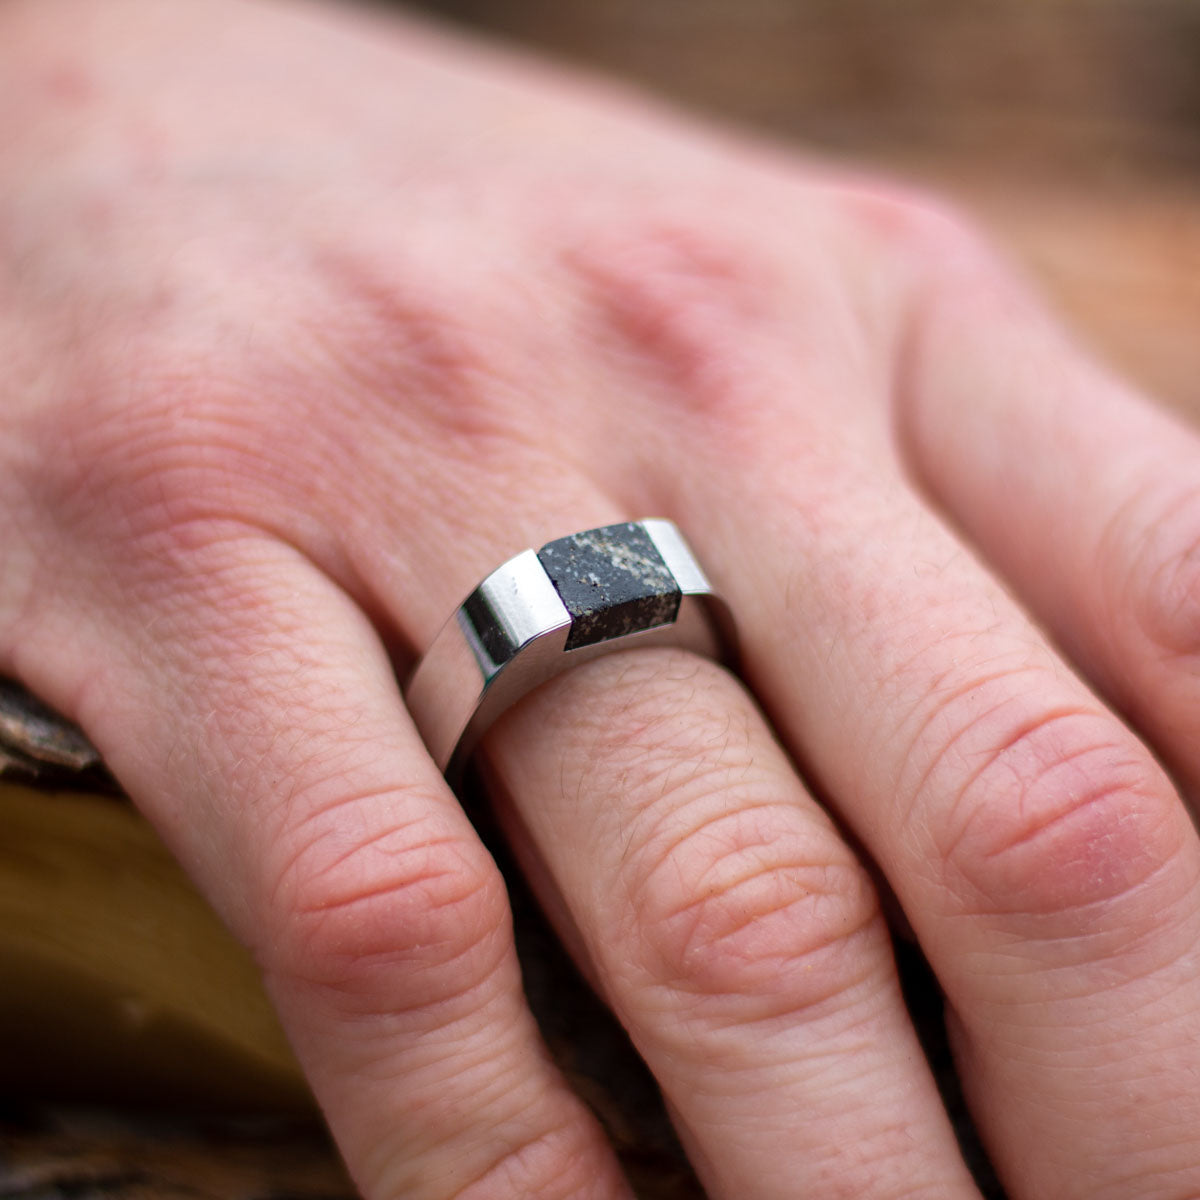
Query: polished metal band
{"x": 614, "y": 588}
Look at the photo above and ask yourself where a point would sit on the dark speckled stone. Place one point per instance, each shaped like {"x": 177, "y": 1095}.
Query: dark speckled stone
{"x": 613, "y": 581}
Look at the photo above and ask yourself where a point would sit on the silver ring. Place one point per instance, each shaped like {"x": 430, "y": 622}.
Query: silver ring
{"x": 614, "y": 588}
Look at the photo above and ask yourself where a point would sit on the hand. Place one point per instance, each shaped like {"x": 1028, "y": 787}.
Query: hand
{"x": 310, "y": 319}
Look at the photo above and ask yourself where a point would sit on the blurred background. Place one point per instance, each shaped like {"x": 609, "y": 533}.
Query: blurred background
{"x": 1071, "y": 128}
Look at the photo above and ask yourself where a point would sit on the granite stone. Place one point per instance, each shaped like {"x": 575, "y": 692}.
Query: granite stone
{"x": 613, "y": 582}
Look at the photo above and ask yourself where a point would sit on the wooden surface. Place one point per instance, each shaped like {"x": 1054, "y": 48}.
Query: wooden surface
{"x": 1071, "y": 127}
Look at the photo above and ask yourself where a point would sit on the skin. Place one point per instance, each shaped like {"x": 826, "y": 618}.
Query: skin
{"x": 310, "y": 318}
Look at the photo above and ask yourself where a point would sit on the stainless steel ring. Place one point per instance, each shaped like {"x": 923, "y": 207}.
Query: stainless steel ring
{"x": 614, "y": 588}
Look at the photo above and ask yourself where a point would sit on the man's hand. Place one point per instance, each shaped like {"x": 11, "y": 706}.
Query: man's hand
{"x": 289, "y": 298}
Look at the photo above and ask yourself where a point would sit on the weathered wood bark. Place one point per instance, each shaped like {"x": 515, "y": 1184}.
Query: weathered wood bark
{"x": 1071, "y": 127}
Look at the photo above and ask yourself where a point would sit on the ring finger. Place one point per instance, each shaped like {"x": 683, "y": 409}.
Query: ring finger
{"x": 708, "y": 895}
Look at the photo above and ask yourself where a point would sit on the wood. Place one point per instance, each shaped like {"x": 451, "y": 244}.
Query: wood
{"x": 82, "y": 1155}
{"x": 1070, "y": 127}
{"x": 119, "y": 982}
{"x": 38, "y": 747}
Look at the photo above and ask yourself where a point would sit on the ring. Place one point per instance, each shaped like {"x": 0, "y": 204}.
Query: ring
{"x": 614, "y": 588}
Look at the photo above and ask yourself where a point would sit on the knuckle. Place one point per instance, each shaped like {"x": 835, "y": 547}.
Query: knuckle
{"x": 550, "y": 1164}
{"x": 399, "y": 355}
{"x": 1052, "y": 815}
{"x": 442, "y": 357}
{"x": 166, "y": 450}
{"x": 365, "y": 898}
{"x": 924, "y": 238}
{"x": 744, "y": 909}
{"x": 731, "y": 896}
{"x": 917, "y": 224}
{"x": 691, "y": 300}
{"x": 918, "y": 257}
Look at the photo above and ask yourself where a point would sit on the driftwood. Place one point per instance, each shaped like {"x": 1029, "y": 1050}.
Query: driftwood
{"x": 1071, "y": 128}
{"x": 93, "y": 1155}
{"x": 39, "y": 747}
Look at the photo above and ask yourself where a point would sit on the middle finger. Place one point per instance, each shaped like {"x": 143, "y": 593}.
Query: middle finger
{"x": 1042, "y": 856}
{"x": 730, "y": 928}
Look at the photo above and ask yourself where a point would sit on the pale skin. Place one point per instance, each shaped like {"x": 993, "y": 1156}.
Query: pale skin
{"x": 311, "y": 318}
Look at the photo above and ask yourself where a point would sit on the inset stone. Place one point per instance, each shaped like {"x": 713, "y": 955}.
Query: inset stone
{"x": 613, "y": 581}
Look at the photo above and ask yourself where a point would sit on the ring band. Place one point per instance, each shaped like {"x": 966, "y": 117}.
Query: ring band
{"x": 614, "y": 588}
